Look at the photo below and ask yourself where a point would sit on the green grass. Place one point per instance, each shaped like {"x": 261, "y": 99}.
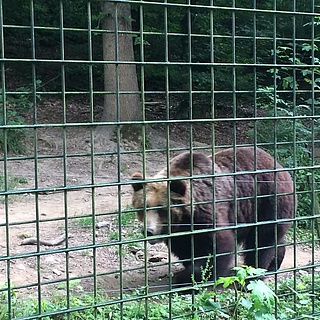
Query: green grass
{"x": 12, "y": 183}
{"x": 299, "y": 297}
{"x": 130, "y": 229}
{"x": 296, "y": 299}
{"x": 300, "y": 235}
{"x": 127, "y": 217}
{"x": 133, "y": 307}
{"x": 84, "y": 222}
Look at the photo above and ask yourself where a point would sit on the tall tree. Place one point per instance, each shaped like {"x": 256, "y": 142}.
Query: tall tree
{"x": 119, "y": 78}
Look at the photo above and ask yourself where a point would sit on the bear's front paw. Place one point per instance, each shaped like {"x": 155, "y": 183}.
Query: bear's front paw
{"x": 182, "y": 278}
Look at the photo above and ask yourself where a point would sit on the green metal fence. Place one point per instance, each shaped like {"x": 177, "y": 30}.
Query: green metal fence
{"x": 92, "y": 92}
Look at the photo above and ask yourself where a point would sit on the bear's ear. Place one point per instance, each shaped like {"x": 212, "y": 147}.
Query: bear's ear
{"x": 137, "y": 186}
{"x": 178, "y": 186}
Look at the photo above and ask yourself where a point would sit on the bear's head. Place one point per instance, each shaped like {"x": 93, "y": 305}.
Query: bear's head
{"x": 153, "y": 201}
{"x": 164, "y": 205}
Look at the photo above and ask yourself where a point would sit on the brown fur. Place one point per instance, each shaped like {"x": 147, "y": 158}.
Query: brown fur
{"x": 213, "y": 210}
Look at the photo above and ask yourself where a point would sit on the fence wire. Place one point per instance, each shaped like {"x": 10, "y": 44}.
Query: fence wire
{"x": 93, "y": 92}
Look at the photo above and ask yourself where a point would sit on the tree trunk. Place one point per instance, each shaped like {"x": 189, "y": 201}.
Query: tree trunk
{"x": 118, "y": 47}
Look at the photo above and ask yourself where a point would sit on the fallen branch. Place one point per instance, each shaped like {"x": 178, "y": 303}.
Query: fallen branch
{"x": 51, "y": 243}
{"x": 104, "y": 224}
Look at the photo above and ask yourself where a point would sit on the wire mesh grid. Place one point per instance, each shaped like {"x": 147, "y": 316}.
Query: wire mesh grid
{"x": 93, "y": 92}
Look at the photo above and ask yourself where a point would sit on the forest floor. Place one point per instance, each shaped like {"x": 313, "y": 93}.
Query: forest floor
{"x": 91, "y": 250}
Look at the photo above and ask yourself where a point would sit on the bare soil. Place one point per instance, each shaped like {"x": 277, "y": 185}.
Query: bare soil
{"x": 54, "y": 212}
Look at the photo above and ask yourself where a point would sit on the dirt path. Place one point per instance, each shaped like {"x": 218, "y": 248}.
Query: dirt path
{"x": 88, "y": 250}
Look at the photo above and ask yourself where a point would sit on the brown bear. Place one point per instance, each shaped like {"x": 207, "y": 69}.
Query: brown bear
{"x": 242, "y": 198}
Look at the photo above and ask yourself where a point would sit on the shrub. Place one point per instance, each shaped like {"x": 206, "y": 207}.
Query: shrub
{"x": 290, "y": 139}
{"x": 290, "y": 129}
{"x": 12, "y": 113}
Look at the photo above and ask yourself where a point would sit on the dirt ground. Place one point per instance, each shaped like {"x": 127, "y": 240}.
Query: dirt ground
{"x": 87, "y": 250}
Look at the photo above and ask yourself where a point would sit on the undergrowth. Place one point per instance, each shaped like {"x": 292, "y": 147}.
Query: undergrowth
{"x": 129, "y": 228}
{"x": 288, "y": 128}
{"x": 239, "y": 298}
{"x": 13, "y": 109}
{"x": 11, "y": 183}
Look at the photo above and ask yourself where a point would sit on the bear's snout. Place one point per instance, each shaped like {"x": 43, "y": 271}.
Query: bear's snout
{"x": 149, "y": 232}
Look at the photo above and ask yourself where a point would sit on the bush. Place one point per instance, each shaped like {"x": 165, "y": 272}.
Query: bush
{"x": 240, "y": 298}
{"x": 291, "y": 128}
{"x": 16, "y": 106}
{"x": 289, "y": 137}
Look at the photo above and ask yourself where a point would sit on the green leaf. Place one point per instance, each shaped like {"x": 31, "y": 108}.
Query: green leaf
{"x": 241, "y": 275}
{"x": 306, "y": 72}
{"x": 246, "y": 303}
{"x": 262, "y": 294}
{"x": 306, "y": 47}
{"x": 226, "y": 281}
{"x": 256, "y": 271}
{"x": 304, "y": 301}
{"x": 212, "y": 305}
